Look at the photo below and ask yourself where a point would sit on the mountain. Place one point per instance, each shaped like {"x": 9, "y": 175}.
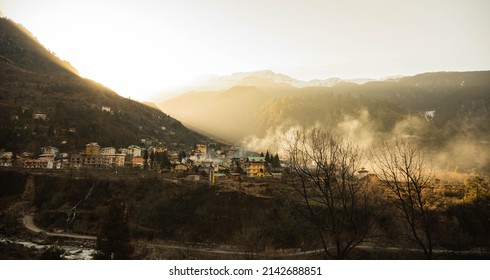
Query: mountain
{"x": 447, "y": 112}
{"x": 44, "y": 102}
{"x": 19, "y": 46}
{"x": 264, "y": 78}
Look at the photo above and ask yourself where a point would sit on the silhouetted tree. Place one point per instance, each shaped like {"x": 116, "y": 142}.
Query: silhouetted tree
{"x": 323, "y": 172}
{"x": 162, "y": 159}
{"x": 275, "y": 162}
{"x": 145, "y": 157}
{"x": 152, "y": 158}
{"x": 403, "y": 171}
{"x": 114, "y": 238}
{"x": 267, "y": 157}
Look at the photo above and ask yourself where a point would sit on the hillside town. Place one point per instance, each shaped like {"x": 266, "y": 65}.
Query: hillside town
{"x": 204, "y": 160}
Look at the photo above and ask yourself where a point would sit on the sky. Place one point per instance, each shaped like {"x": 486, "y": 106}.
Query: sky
{"x": 145, "y": 48}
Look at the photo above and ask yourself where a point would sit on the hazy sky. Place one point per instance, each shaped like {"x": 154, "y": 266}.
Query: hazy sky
{"x": 140, "y": 48}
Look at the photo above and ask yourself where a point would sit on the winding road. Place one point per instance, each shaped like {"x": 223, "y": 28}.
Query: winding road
{"x": 28, "y": 221}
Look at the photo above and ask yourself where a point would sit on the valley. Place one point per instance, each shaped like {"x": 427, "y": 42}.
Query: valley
{"x": 253, "y": 165}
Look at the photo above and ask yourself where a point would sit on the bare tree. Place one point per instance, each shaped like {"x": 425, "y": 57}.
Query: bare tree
{"x": 404, "y": 172}
{"x": 253, "y": 241}
{"x": 323, "y": 172}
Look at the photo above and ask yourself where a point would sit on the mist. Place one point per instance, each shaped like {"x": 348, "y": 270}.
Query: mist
{"x": 453, "y": 133}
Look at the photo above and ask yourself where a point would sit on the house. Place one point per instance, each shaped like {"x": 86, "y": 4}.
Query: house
{"x": 255, "y": 166}
{"x": 159, "y": 149}
{"x": 25, "y": 155}
{"x": 181, "y": 168}
{"x": 137, "y": 162}
{"x": 76, "y": 161}
{"x": 49, "y": 158}
{"x": 50, "y": 150}
{"x": 93, "y": 161}
{"x": 362, "y": 173}
{"x": 6, "y": 159}
{"x": 119, "y": 160}
{"x": 38, "y": 164}
{"x": 124, "y": 151}
{"x": 193, "y": 178}
{"x": 201, "y": 148}
{"x": 92, "y": 149}
{"x": 108, "y": 151}
{"x": 106, "y": 109}
{"x": 135, "y": 150}
{"x": 174, "y": 157}
{"x": 39, "y": 116}
{"x": 62, "y": 161}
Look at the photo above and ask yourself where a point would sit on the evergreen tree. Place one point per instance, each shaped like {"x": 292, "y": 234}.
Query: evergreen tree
{"x": 164, "y": 161}
{"x": 152, "y": 158}
{"x": 267, "y": 157}
{"x": 145, "y": 157}
{"x": 276, "y": 163}
{"x": 114, "y": 238}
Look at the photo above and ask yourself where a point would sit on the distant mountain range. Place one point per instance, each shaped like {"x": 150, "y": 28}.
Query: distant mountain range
{"x": 447, "y": 112}
{"x": 265, "y": 77}
{"x": 44, "y": 102}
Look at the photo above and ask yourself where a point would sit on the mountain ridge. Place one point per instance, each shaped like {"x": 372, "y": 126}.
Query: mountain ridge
{"x": 43, "y": 102}
{"x": 443, "y": 110}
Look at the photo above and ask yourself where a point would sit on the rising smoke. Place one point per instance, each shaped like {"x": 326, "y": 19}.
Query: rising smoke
{"x": 455, "y": 153}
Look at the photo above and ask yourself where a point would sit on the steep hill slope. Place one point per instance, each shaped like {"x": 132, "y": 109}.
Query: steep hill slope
{"x": 22, "y": 48}
{"x": 43, "y": 102}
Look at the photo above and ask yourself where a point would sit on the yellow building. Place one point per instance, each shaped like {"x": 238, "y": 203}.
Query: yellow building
{"x": 201, "y": 148}
{"x": 92, "y": 149}
{"x": 256, "y": 166}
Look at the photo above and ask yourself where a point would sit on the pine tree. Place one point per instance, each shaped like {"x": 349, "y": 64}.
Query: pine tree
{"x": 145, "y": 157}
{"x": 164, "y": 161}
{"x": 276, "y": 163}
{"x": 267, "y": 157}
{"x": 152, "y": 158}
{"x": 114, "y": 238}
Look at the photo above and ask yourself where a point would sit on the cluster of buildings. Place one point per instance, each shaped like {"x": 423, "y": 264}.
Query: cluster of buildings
{"x": 228, "y": 161}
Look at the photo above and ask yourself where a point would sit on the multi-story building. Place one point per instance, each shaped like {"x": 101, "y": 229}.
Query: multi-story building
{"x": 137, "y": 162}
{"x": 92, "y": 149}
{"x": 38, "y": 164}
{"x": 50, "y": 150}
{"x": 201, "y": 148}
{"x": 76, "y": 161}
{"x": 108, "y": 151}
{"x": 255, "y": 166}
{"x": 6, "y": 159}
{"x": 135, "y": 150}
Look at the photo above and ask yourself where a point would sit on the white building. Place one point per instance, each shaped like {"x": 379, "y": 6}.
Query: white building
{"x": 135, "y": 150}
{"x": 108, "y": 151}
{"x": 50, "y": 150}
